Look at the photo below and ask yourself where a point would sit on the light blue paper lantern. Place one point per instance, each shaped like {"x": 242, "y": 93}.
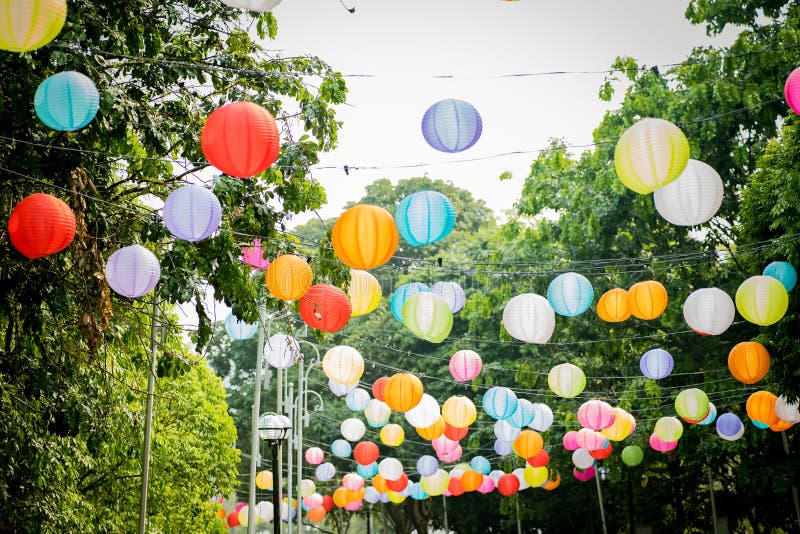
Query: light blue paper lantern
{"x": 417, "y": 493}
{"x": 481, "y": 465}
{"x": 523, "y": 415}
{"x": 367, "y": 471}
{"x": 656, "y": 364}
{"x": 570, "y": 294}
{"x": 325, "y": 471}
{"x": 371, "y": 495}
{"x": 192, "y": 213}
{"x": 500, "y": 402}
{"x": 711, "y": 416}
{"x": 133, "y": 271}
{"x": 341, "y": 448}
{"x": 759, "y": 425}
{"x": 503, "y": 448}
{"x": 452, "y": 294}
{"x": 424, "y": 217}
{"x": 452, "y": 125}
{"x": 784, "y": 272}
{"x": 402, "y": 293}
{"x": 357, "y": 400}
{"x": 66, "y": 101}
{"x": 427, "y": 465}
{"x": 238, "y": 329}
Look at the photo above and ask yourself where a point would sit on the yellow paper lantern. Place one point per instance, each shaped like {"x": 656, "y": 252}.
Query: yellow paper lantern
{"x": 535, "y": 476}
{"x": 364, "y": 292}
{"x": 392, "y": 435}
{"x": 613, "y": 305}
{"x": 650, "y": 154}
{"x": 343, "y": 364}
{"x": 289, "y": 277}
{"x": 647, "y": 300}
{"x": 436, "y": 484}
{"x": 365, "y": 236}
{"x": 459, "y": 412}
{"x": 395, "y": 497}
{"x": 264, "y": 480}
{"x": 621, "y": 428}
{"x": 26, "y": 25}
{"x": 762, "y": 300}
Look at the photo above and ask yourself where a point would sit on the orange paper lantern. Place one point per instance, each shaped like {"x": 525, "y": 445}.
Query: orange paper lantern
{"x": 41, "y": 225}
{"x": 402, "y": 392}
{"x": 761, "y": 407}
{"x": 748, "y": 362}
{"x": 289, "y": 277}
{"x": 647, "y": 300}
{"x": 528, "y": 443}
{"x": 432, "y": 432}
{"x": 315, "y": 515}
{"x": 613, "y": 305}
{"x": 325, "y": 307}
{"x": 471, "y": 480}
{"x": 379, "y": 483}
{"x": 552, "y": 483}
{"x": 340, "y": 497}
{"x": 365, "y": 236}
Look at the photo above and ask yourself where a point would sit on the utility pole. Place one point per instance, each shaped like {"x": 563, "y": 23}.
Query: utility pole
{"x": 254, "y": 440}
{"x": 148, "y": 418}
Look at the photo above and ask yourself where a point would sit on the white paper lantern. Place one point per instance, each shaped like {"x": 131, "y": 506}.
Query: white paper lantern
{"x": 192, "y": 213}
{"x": 520, "y": 474}
{"x": 377, "y": 413}
{"x": 133, "y": 271}
{"x": 282, "y": 351}
{"x": 259, "y": 6}
{"x": 786, "y": 411}
{"x": 709, "y": 311}
{"x": 325, "y": 472}
{"x": 542, "y": 417}
{"x": 343, "y": 364}
{"x": 693, "y": 198}
{"x": 425, "y": 413}
{"x": 353, "y": 429}
{"x": 390, "y": 468}
{"x": 529, "y": 317}
{"x": 265, "y": 511}
{"x": 238, "y": 329}
{"x": 452, "y": 293}
{"x": 582, "y": 459}
{"x": 505, "y": 431}
{"x": 339, "y": 389}
{"x": 357, "y": 400}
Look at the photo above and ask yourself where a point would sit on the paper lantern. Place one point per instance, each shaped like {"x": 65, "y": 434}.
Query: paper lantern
{"x": 500, "y": 402}
{"x": 377, "y": 413}
{"x": 709, "y": 311}
{"x": 658, "y": 444}
{"x": 583, "y": 474}
{"x": 433, "y": 431}
{"x": 692, "y": 198}
{"x": 596, "y": 414}
{"x": 459, "y": 411}
{"x": 787, "y": 411}
{"x": 265, "y": 511}
{"x": 417, "y": 493}
{"x": 395, "y": 497}
{"x": 523, "y": 415}
{"x": 442, "y": 444}
{"x": 455, "y": 433}
{"x": 481, "y": 465}
{"x": 392, "y": 435}
{"x": 377, "y": 387}
{"x": 352, "y": 482}
{"x": 314, "y": 456}
{"x": 570, "y": 440}
{"x": 496, "y": 474}
{"x": 566, "y": 380}
{"x": 340, "y": 390}
{"x": 264, "y": 480}
{"x": 748, "y": 361}
{"x": 365, "y": 236}
{"x": 390, "y": 469}
{"x": 428, "y": 317}
{"x": 427, "y": 465}
{"x": 535, "y": 476}
{"x": 254, "y": 256}
{"x": 465, "y": 365}
{"x": 791, "y": 90}
{"x": 325, "y": 472}
{"x": 341, "y": 448}
{"x": 192, "y": 213}
{"x": 570, "y": 294}
{"x": 603, "y": 452}
{"x": 41, "y": 225}
{"x": 552, "y": 483}
{"x": 692, "y": 405}
{"x": 505, "y": 431}
{"x": 650, "y": 154}
{"x": 325, "y": 307}
{"x": 134, "y": 271}
{"x": 508, "y": 485}
{"x": 282, "y": 351}
{"x": 307, "y": 487}
{"x": 315, "y": 515}
{"x": 451, "y": 125}
{"x": 591, "y": 440}
{"x": 668, "y": 429}
{"x": 710, "y": 416}
{"x": 424, "y": 217}
{"x": 452, "y": 293}
{"x": 353, "y": 429}
{"x": 783, "y": 272}
{"x": 528, "y": 443}
{"x": 402, "y": 392}
{"x": 327, "y": 503}
{"x": 357, "y": 400}
{"x": 259, "y": 6}
{"x": 312, "y": 501}
{"x": 369, "y": 470}
{"x": 656, "y": 364}
{"x": 236, "y": 328}
{"x": 487, "y": 485}
{"x": 66, "y": 101}
{"x": 240, "y": 139}
{"x": 30, "y": 24}
{"x": 582, "y": 459}
{"x": 632, "y": 455}
{"x": 503, "y": 448}
{"x": 343, "y": 364}
{"x": 542, "y": 417}
{"x": 529, "y": 317}
{"x": 471, "y": 480}
{"x": 781, "y": 426}
{"x": 425, "y": 413}
{"x": 379, "y": 483}
{"x": 762, "y": 300}
{"x": 621, "y": 428}
{"x": 402, "y": 294}
{"x": 647, "y": 300}
{"x": 364, "y": 292}
{"x": 435, "y": 484}
{"x": 233, "y": 519}
{"x": 613, "y": 306}
{"x": 759, "y": 425}
{"x": 761, "y": 407}
{"x": 540, "y": 459}
{"x": 288, "y": 277}
{"x": 339, "y": 497}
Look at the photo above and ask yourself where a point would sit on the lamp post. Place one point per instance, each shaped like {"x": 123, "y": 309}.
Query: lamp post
{"x": 601, "y": 474}
{"x": 275, "y": 429}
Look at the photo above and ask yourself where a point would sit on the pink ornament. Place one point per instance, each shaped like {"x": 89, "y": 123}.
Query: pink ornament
{"x": 314, "y": 456}
{"x": 465, "y": 365}
{"x": 583, "y": 476}
{"x": 591, "y": 440}
{"x": 570, "y": 441}
{"x": 661, "y": 446}
{"x": 254, "y": 256}
{"x": 792, "y": 90}
{"x": 596, "y": 414}
{"x": 487, "y": 486}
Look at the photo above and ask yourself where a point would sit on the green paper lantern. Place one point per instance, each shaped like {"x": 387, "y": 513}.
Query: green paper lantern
{"x": 650, "y": 154}
{"x": 428, "y": 316}
{"x": 632, "y": 455}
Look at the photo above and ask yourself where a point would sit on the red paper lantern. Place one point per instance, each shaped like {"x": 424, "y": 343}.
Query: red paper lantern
{"x": 508, "y": 485}
{"x": 365, "y": 452}
{"x": 327, "y": 502}
{"x": 399, "y": 484}
{"x": 602, "y": 454}
{"x": 455, "y": 487}
{"x": 325, "y": 307}
{"x": 456, "y": 434}
{"x": 41, "y": 225}
{"x": 233, "y": 519}
{"x": 377, "y": 387}
{"x": 240, "y": 139}
{"x": 539, "y": 459}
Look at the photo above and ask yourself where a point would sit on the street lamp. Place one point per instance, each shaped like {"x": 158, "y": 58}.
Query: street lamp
{"x": 601, "y": 475}
{"x": 275, "y": 428}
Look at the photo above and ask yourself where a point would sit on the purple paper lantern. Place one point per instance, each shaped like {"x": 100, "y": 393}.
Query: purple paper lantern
{"x": 133, "y": 271}
{"x": 656, "y": 364}
{"x": 729, "y": 426}
{"x": 192, "y": 213}
{"x": 452, "y": 125}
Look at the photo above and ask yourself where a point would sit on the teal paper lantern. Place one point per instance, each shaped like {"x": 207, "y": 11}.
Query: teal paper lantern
{"x": 424, "y": 217}
{"x": 570, "y": 294}
{"x": 784, "y": 272}
{"x": 500, "y": 402}
{"x": 66, "y": 101}
{"x": 481, "y": 465}
{"x": 367, "y": 471}
{"x": 238, "y": 329}
{"x": 523, "y": 415}
{"x": 402, "y": 293}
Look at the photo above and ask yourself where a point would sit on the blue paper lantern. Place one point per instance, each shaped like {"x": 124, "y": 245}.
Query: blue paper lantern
{"x": 417, "y": 493}
{"x": 341, "y": 448}
{"x": 133, "y": 271}
{"x": 357, "y": 400}
{"x": 711, "y": 416}
{"x": 759, "y": 425}
{"x": 500, "y": 402}
{"x": 427, "y": 465}
{"x": 784, "y": 272}
{"x": 238, "y": 329}
{"x": 402, "y": 293}
{"x": 66, "y": 101}
{"x": 451, "y": 125}
{"x": 424, "y": 217}
{"x": 656, "y": 364}
{"x": 503, "y": 448}
{"x": 192, "y": 213}
{"x": 729, "y": 424}
{"x": 452, "y": 293}
{"x": 481, "y": 465}
{"x": 367, "y": 471}
{"x": 523, "y": 415}
{"x": 570, "y": 294}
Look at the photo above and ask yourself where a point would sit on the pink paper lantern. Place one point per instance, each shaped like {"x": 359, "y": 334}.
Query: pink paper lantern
{"x": 792, "y": 90}
{"x": 452, "y": 456}
{"x": 487, "y": 486}
{"x": 444, "y": 445}
{"x": 583, "y": 476}
{"x": 661, "y": 446}
{"x": 465, "y": 365}
{"x": 314, "y": 456}
{"x": 591, "y": 440}
{"x": 570, "y": 441}
{"x": 596, "y": 414}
